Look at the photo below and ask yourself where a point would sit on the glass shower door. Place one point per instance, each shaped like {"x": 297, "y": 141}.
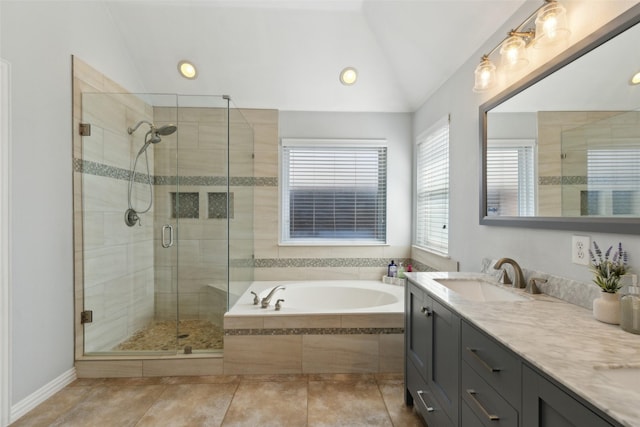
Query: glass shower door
{"x": 129, "y": 282}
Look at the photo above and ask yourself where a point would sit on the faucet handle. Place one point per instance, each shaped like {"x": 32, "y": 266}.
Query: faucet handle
{"x": 278, "y": 305}
{"x": 532, "y": 288}
{"x": 504, "y": 278}
{"x": 256, "y": 299}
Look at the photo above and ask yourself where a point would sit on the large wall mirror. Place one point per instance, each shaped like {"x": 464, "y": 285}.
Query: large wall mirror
{"x": 561, "y": 150}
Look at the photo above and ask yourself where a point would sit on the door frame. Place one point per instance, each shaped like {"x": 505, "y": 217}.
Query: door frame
{"x": 5, "y": 243}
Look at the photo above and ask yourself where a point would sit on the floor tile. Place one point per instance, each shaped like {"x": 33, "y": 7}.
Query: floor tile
{"x": 53, "y": 408}
{"x": 205, "y": 379}
{"x": 344, "y": 403}
{"x": 401, "y": 415}
{"x": 114, "y": 406}
{"x": 190, "y": 405}
{"x": 267, "y": 404}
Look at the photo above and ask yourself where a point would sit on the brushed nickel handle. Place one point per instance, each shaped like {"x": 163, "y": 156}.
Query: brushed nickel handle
{"x": 491, "y": 417}
{"x": 429, "y": 408}
{"x": 426, "y": 311}
{"x": 482, "y": 362}
{"x": 167, "y": 243}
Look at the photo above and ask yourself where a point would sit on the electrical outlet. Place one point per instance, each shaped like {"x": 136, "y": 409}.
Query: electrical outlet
{"x": 580, "y": 249}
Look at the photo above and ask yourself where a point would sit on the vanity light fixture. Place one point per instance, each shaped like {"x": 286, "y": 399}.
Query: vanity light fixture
{"x": 348, "y": 76}
{"x": 187, "y": 70}
{"x": 635, "y": 79}
{"x": 551, "y": 28}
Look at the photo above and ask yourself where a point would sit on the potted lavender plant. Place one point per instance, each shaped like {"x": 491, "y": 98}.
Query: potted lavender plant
{"x": 608, "y": 270}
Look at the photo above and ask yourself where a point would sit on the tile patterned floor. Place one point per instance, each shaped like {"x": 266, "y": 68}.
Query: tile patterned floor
{"x": 249, "y": 400}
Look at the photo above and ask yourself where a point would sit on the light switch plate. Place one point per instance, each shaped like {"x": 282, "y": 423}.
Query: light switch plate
{"x": 580, "y": 249}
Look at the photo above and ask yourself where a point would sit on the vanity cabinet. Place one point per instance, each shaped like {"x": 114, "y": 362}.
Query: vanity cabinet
{"x": 458, "y": 375}
{"x": 544, "y": 404}
{"x": 432, "y": 367}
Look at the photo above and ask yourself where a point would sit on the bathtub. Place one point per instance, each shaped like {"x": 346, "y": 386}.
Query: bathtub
{"x": 326, "y": 296}
{"x": 335, "y": 326}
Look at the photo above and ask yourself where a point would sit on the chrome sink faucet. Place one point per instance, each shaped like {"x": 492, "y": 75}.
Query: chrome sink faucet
{"x": 519, "y": 280}
{"x": 264, "y": 303}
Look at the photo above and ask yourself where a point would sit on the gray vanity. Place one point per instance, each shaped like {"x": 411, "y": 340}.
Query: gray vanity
{"x": 509, "y": 358}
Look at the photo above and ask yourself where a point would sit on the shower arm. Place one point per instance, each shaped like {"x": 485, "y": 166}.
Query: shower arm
{"x": 137, "y": 125}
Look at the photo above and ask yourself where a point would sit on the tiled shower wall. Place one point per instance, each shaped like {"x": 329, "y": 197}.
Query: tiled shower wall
{"x": 201, "y": 170}
{"x": 562, "y": 163}
{"x": 113, "y": 261}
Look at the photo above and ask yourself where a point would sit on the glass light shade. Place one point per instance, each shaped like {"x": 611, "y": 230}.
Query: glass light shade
{"x": 551, "y": 25}
{"x": 514, "y": 53}
{"x": 187, "y": 70}
{"x": 348, "y": 76}
{"x": 485, "y": 75}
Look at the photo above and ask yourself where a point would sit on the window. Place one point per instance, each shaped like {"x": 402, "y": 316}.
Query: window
{"x": 334, "y": 191}
{"x": 511, "y": 178}
{"x": 432, "y": 185}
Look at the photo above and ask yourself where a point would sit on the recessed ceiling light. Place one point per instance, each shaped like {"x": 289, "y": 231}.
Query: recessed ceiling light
{"x": 348, "y": 76}
{"x": 635, "y": 80}
{"x": 187, "y": 70}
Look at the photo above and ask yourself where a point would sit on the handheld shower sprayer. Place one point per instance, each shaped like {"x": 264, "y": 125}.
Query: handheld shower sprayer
{"x": 153, "y": 136}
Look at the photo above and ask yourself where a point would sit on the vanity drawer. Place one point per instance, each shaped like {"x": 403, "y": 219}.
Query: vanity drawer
{"x": 424, "y": 400}
{"x": 499, "y": 367}
{"x": 488, "y": 407}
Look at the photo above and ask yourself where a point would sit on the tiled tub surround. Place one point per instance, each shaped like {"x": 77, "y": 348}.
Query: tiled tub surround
{"x": 294, "y": 341}
{"x": 559, "y": 338}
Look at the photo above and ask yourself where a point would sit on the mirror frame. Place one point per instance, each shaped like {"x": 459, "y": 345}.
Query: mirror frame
{"x": 593, "y": 224}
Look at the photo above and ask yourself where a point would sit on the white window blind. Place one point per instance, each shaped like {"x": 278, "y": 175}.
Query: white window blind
{"x": 613, "y": 176}
{"x": 432, "y": 176}
{"x": 334, "y": 192}
{"x": 510, "y": 178}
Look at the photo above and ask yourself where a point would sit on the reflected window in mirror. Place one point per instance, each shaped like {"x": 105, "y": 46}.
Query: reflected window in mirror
{"x": 511, "y": 189}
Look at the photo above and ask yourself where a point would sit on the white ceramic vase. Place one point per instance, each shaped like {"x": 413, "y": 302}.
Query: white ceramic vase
{"x": 607, "y": 308}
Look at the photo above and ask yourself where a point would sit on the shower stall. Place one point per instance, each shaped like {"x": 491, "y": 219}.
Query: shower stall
{"x": 165, "y": 222}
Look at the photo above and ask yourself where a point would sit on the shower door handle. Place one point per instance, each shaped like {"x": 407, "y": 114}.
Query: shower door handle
{"x": 167, "y": 243}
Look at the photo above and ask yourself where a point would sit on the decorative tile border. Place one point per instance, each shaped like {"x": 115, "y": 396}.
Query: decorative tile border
{"x": 314, "y": 331}
{"x": 100, "y": 169}
{"x": 323, "y": 262}
{"x": 562, "y": 180}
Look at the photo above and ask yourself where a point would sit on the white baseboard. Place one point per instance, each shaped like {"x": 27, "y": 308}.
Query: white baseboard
{"x": 42, "y": 394}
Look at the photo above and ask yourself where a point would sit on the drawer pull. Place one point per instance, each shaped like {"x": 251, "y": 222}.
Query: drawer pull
{"x": 482, "y": 362}
{"x": 472, "y": 394}
{"x": 429, "y": 408}
{"x": 426, "y": 311}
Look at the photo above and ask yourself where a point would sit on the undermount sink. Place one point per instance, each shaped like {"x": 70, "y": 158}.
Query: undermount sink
{"x": 625, "y": 378}
{"x": 480, "y": 290}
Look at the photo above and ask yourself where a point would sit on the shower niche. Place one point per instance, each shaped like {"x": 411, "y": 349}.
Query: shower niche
{"x": 161, "y": 285}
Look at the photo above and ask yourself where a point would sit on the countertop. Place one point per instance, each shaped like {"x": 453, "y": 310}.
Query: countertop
{"x": 561, "y": 339}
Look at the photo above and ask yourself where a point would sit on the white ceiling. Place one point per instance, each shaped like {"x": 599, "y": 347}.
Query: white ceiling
{"x": 287, "y": 54}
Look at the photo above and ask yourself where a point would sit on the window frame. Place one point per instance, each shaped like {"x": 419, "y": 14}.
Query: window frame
{"x": 327, "y": 143}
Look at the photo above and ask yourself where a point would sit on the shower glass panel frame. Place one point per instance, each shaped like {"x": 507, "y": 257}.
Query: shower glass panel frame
{"x": 161, "y": 285}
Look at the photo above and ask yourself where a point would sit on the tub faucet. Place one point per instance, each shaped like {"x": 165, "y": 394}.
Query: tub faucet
{"x": 264, "y": 303}
{"x": 519, "y": 280}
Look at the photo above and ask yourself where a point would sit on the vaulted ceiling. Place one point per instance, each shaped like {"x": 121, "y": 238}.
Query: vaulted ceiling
{"x": 287, "y": 54}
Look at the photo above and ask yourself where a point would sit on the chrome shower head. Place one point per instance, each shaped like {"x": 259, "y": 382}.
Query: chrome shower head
{"x": 166, "y": 130}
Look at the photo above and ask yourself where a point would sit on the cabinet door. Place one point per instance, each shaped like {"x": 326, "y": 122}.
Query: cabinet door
{"x": 417, "y": 328}
{"x": 546, "y": 405}
{"x": 444, "y": 366}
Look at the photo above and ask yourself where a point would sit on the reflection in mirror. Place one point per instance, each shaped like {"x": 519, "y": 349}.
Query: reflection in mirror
{"x": 564, "y": 152}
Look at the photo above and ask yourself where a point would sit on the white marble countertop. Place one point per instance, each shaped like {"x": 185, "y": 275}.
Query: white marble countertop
{"x": 559, "y": 338}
